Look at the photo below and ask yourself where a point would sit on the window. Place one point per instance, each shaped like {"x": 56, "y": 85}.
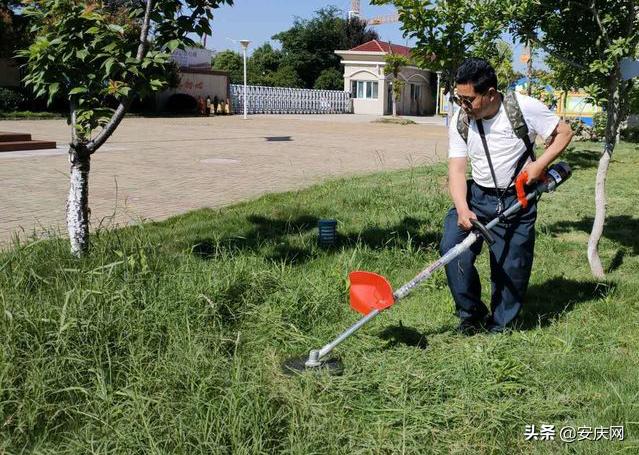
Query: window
{"x": 364, "y": 89}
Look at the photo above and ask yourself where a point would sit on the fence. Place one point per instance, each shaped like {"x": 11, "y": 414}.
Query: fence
{"x": 282, "y": 100}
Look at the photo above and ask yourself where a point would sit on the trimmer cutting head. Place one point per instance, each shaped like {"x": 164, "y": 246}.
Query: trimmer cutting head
{"x": 299, "y": 365}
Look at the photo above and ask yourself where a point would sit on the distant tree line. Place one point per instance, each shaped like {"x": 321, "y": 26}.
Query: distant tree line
{"x": 307, "y": 56}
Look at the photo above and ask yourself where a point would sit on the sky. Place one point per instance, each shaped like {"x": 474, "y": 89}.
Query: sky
{"x": 258, "y": 20}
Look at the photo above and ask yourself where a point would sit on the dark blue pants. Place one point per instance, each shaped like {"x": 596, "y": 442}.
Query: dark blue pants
{"x": 511, "y": 258}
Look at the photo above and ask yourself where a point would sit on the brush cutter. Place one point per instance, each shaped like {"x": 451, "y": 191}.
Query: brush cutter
{"x": 370, "y": 293}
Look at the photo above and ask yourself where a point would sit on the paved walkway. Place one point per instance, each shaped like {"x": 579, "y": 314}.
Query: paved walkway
{"x": 153, "y": 168}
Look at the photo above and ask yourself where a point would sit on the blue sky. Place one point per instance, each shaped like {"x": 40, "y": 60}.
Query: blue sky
{"x": 258, "y": 20}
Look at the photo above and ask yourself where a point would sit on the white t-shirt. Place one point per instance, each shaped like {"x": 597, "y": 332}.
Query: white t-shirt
{"x": 504, "y": 146}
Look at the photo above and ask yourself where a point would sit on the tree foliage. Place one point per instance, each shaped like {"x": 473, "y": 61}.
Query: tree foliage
{"x": 307, "y": 58}
{"x": 232, "y": 62}
{"x": 602, "y": 33}
{"x": 309, "y": 46}
{"x": 90, "y": 51}
{"x": 448, "y": 31}
{"x": 330, "y": 79}
{"x": 393, "y": 66}
{"x": 502, "y": 61}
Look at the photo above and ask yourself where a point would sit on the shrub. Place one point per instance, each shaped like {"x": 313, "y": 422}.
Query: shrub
{"x": 11, "y": 100}
{"x": 330, "y": 79}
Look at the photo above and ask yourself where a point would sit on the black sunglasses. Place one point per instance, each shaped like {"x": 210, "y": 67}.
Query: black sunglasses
{"x": 466, "y": 101}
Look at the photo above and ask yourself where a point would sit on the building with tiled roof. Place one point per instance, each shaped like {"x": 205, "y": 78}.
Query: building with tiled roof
{"x": 371, "y": 89}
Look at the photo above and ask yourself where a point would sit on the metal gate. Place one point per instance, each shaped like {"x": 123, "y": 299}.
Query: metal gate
{"x": 283, "y": 100}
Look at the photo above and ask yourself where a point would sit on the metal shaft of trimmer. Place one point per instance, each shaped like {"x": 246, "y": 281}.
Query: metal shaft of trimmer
{"x": 315, "y": 356}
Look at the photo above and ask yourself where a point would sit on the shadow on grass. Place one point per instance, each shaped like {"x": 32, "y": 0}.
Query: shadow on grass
{"x": 582, "y": 159}
{"x": 393, "y": 236}
{"x": 548, "y": 301}
{"x": 620, "y": 229}
{"x": 274, "y": 236}
{"x": 265, "y": 231}
{"x": 400, "y": 334}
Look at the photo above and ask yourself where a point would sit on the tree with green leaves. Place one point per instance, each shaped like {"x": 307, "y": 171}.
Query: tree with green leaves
{"x": 309, "y": 46}
{"x": 448, "y": 31}
{"x": 330, "y": 79}
{"x": 90, "y": 52}
{"x": 601, "y": 34}
{"x": 393, "y": 64}
{"x": 232, "y": 62}
{"x": 502, "y": 61}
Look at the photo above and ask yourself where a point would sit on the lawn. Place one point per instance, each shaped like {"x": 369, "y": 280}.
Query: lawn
{"x": 169, "y": 337}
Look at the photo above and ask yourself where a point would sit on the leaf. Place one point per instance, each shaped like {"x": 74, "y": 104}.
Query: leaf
{"x": 82, "y": 54}
{"x": 156, "y": 84}
{"x": 108, "y": 64}
{"x": 78, "y": 90}
{"x": 53, "y": 89}
{"x": 116, "y": 28}
{"x": 173, "y": 44}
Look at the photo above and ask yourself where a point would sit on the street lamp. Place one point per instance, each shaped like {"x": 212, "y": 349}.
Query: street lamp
{"x": 245, "y": 43}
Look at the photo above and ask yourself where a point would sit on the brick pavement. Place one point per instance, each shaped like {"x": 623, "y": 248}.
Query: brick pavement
{"x": 159, "y": 167}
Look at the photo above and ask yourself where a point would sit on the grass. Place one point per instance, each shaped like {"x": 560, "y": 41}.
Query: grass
{"x": 169, "y": 337}
{"x": 395, "y": 121}
{"x": 29, "y": 115}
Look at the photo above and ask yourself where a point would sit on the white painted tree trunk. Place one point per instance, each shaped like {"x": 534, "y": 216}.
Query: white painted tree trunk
{"x": 612, "y": 130}
{"x": 600, "y": 213}
{"x": 394, "y": 96}
{"x": 78, "y": 202}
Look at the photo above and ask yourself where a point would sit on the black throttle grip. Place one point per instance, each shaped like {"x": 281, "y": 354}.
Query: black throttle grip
{"x": 485, "y": 233}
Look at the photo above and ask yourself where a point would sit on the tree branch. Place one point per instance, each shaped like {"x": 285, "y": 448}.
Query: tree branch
{"x": 557, "y": 55}
{"x": 602, "y": 29}
{"x": 118, "y": 115}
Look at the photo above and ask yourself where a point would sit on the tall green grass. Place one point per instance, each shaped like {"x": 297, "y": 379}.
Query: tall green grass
{"x": 169, "y": 337}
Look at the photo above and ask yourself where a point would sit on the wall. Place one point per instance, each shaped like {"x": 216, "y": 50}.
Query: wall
{"x": 366, "y": 73}
{"x": 371, "y": 68}
{"x": 196, "y": 84}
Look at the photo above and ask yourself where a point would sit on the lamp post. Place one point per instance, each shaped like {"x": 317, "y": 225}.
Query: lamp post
{"x": 245, "y": 43}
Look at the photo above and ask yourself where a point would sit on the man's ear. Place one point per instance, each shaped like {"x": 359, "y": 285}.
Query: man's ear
{"x": 492, "y": 94}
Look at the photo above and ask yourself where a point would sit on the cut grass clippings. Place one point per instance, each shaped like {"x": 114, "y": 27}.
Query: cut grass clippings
{"x": 169, "y": 336}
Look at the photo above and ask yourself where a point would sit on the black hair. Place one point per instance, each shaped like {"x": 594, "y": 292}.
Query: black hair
{"x": 478, "y": 72}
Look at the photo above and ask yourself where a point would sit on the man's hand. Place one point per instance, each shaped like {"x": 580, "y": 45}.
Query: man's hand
{"x": 463, "y": 219}
{"x": 556, "y": 143}
{"x": 535, "y": 170}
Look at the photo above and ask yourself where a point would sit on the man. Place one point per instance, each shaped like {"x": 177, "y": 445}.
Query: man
{"x": 491, "y": 191}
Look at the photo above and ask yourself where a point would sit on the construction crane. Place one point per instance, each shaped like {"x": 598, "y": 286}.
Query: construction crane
{"x": 356, "y": 11}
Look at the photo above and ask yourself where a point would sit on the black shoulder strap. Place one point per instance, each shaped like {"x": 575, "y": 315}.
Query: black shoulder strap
{"x": 482, "y": 134}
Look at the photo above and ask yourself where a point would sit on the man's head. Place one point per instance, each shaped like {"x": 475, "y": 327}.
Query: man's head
{"x": 476, "y": 83}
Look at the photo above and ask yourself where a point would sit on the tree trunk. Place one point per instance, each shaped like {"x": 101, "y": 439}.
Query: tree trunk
{"x": 612, "y": 127}
{"x": 78, "y": 200}
{"x": 529, "y": 69}
{"x": 394, "y": 96}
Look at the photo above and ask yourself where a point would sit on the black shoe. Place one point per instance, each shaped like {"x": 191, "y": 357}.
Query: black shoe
{"x": 469, "y": 327}
{"x": 492, "y": 328}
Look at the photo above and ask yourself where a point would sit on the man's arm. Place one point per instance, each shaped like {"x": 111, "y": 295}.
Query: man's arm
{"x": 457, "y": 187}
{"x": 555, "y": 145}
